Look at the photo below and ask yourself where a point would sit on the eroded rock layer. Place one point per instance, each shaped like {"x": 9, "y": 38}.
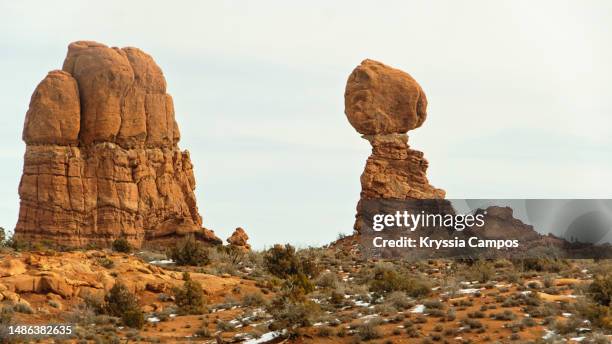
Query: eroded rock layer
{"x": 102, "y": 158}
{"x": 383, "y": 104}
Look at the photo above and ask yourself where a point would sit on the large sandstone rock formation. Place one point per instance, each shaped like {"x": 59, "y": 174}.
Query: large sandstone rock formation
{"x": 102, "y": 159}
{"x": 383, "y": 104}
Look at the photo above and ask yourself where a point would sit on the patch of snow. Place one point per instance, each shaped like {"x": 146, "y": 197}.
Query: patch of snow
{"x": 567, "y": 315}
{"x": 162, "y": 262}
{"x": 360, "y": 303}
{"x": 418, "y": 309}
{"x": 369, "y": 317}
{"x": 578, "y": 339}
{"x": 266, "y": 337}
{"x": 549, "y": 334}
{"x": 469, "y": 290}
{"x": 153, "y": 319}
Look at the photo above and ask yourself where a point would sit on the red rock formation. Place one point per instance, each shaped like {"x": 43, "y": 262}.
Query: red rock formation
{"x": 383, "y": 104}
{"x": 239, "y": 239}
{"x": 102, "y": 159}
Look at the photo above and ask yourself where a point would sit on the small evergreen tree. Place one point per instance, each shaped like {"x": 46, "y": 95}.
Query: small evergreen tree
{"x": 122, "y": 245}
{"x": 189, "y": 251}
{"x": 190, "y": 298}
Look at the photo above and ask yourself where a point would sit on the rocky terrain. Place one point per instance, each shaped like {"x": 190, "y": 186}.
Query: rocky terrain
{"x": 343, "y": 299}
{"x": 102, "y": 158}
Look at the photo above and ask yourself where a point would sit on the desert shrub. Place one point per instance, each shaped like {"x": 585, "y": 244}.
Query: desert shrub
{"x": 472, "y": 324}
{"x": 399, "y": 300}
{"x": 6, "y": 315}
{"x": 337, "y": 298}
{"x": 189, "y": 251}
{"x": 296, "y": 287}
{"x": 324, "y": 331}
{"x": 386, "y": 281}
{"x": 120, "y": 302}
{"x": 253, "y": 299}
{"x": 190, "y": 298}
{"x": 505, "y": 315}
{"x": 292, "y": 315}
{"x": 600, "y": 316}
{"x": 481, "y": 271}
{"x": 433, "y": 304}
{"x": 23, "y": 308}
{"x": 600, "y": 290}
{"x": 106, "y": 262}
{"x": 225, "y": 326}
{"x": 328, "y": 280}
{"x": 2, "y": 237}
{"x": 546, "y": 264}
{"x": 368, "y": 331}
{"x": 121, "y": 245}
{"x": 203, "y": 332}
{"x": 133, "y": 318}
{"x": 283, "y": 261}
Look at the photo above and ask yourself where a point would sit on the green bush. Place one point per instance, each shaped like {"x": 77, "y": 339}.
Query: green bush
{"x": 120, "y": 302}
{"x": 481, "y": 271}
{"x": 297, "y": 286}
{"x": 189, "y": 251}
{"x": 600, "y": 289}
{"x": 190, "y": 298}
{"x": 122, "y": 245}
{"x": 106, "y": 262}
{"x": 291, "y": 315}
{"x": 133, "y": 318}
{"x": 283, "y": 261}
{"x": 543, "y": 264}
{"x": 6, "y": 315}
{"x": 387, "y": 281}
{"x": 368, "y": 331}
{"x": 255, "y": 299}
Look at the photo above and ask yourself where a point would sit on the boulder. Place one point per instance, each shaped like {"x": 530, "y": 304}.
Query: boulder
{"x": 239, "y": 239}
{"x": 12, "y": 267}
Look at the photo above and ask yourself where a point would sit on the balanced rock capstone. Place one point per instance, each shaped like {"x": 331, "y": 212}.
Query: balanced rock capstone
{"x": 383, "y": 103}
{"x": 102, "y": 159}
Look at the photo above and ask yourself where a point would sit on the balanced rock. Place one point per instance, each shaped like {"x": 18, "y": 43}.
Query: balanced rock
{"x": 102, "y": 159}
{"x": 383, "y": 104}
{"x": 239, "y": 239}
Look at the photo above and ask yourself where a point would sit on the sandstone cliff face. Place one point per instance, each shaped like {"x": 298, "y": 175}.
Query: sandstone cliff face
{"x": 383, "y": 104}
{"x": 102, "y": 158}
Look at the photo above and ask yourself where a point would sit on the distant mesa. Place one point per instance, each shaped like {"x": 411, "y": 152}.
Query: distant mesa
{"x": 383, "y": 104}
{"x": 102, "y": 159}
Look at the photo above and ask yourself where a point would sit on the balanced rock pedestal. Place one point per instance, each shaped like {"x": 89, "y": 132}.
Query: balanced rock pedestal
{"x": 102, "y": 159}
{"x": 383, "y": 104}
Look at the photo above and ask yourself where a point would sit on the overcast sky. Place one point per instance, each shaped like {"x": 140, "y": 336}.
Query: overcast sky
{"x": 520, "y": 102}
